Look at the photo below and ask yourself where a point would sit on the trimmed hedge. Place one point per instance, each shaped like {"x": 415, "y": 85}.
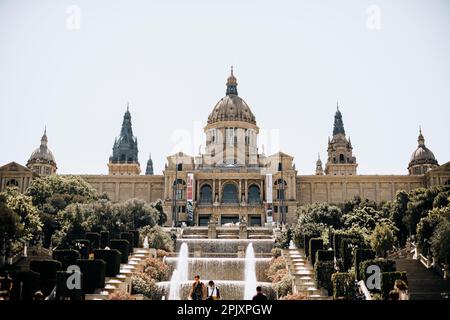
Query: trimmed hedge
{"x": 314, "y": 245}
{"x": 93, "y": 274}
{"x": 323, "y": 271}
{"x": 343, "y": 286}
{"x": 346, "y": 253}
{"x": 84, "y": 249}
{"x": 47, "y": 271}
{"x": 130, "y": 238}
{"x": 67, "y": 257}
{"x": 136, "y": 238}
{"x": 62, "y": 291}
{"x": 325, "y": 255}
{"x": 306, "y": 239}
{"x": 388, "y": 280}
{"x": 30, "y": 284}
{"x": 385, "y": 265}
{"x": 112, "y": 259}
{"x": 94, "y": 239}
{"x": 104, "y": 239}
{"x": 123, "y": 246}
{"x": 360, "y": 256}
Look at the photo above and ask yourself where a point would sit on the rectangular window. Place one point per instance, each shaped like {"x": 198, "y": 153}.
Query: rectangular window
{"x": 179, "y": 194}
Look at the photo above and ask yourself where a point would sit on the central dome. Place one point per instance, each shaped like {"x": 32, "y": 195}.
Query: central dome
{"x": 231, "y": 107}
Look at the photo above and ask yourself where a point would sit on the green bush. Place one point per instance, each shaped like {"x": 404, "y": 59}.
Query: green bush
{"x": 104, "y": 239}
{"x": 346, "y": 251}
{"x": 284, "y": 287}
{"x": 325, "y": 255}
{"x": 343, "y": 286}
{"x": 360, "y": 256}
{"x": 112, "y": 259}
{"x": 323, "y": 270}
{"x": 388, "y": 280}
{"x": 314, "y": 245}
{"x": 30, "y": 281}
{"x": 93, "y": 274}
{"x": 67, "y": 257}
{"x": 145, "y": 285}
{"x": 275, "y": 265}
{"x": 385, "y": 265}
{"x": 123, "y": 246}
{"x": 47, "y": 270}
{"x": 276, "y": 252}
{"x": 157, "y": 238}
{"x": 62, "y": 291}
{"x": 306, "y": 238}
{"x": 94, "y": 239}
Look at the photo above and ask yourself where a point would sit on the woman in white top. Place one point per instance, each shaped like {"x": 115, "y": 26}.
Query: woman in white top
{"x": 402, "y": 289}
{"x": 213, "y": 291}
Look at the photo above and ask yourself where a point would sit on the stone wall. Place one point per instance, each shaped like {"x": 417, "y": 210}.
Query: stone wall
{"x": 122, "y": 188}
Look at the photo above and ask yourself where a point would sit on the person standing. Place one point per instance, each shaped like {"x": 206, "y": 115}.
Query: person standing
{"x": 213, "y": 291}
{"x": 198, "y": 290}
{"x": 402, "y": 289}
{"x": 260, "y": 296}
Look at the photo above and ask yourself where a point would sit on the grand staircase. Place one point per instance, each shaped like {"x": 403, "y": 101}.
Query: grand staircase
{"x": 302, "y": 271}
{"x": 423, "y": 283}
{"x": 122, "y": 281}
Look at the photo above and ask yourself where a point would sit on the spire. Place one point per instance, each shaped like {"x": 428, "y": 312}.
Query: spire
{"x": 125, "y": 147}
{"x": 232, "y": 84}
{"x": 338, "y": 123}
{"x": 149, "y": 169}
{"x": 319, "y": 169}
{"x": 421, "y": 139}
{"x": 44, "y": 139}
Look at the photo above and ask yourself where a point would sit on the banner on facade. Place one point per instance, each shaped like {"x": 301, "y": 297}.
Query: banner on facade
{"x": 190, "y": 198}
{"x": 269, "y": 183}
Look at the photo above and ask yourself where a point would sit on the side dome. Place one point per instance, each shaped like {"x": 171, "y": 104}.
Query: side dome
{"x": 42, "y": 153}
{"x": 422, "y": 160}
{"x": 231, "y": 107}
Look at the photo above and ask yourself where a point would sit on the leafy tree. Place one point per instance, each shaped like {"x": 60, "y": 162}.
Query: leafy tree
{"x": 10, "y": 226}
{"x": 157, "y": 238}
{"x": 440, "y": 242}
{"x": 382, "y": 239}
{"x": 31, "y": 225}
{"x": 398, "y": 210}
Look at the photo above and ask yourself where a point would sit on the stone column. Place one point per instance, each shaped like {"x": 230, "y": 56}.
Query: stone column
{"x": 220, "y": 190}
{"x": 240, "y": 191}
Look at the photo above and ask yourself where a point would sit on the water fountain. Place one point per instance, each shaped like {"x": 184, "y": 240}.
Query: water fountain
{"x": 237, "y": 277}
{"x": 250, "y": 273}
{"x": 292, "y": 245}
{"x": 145, "y": 244}
{"x": 180, "y": 274}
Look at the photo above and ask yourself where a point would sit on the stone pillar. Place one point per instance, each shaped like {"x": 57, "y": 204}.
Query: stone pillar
{"x": 220, "y": 190}
{"x": 241, "y": 252}
{"x": 240, "y": 191}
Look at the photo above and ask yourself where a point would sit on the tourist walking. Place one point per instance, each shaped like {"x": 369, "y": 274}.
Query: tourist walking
{"x": 259, "y": 296}
{"x": 402, "y": 289}
{"x": 198, "y": 290}
{"x": 213, "y": 291}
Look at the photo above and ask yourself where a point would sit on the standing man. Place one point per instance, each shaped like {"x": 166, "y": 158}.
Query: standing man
{"x": 260, "y": 296}
{"x": 198, "y": 290}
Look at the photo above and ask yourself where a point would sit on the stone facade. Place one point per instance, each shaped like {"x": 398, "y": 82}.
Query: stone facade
{"x": 231, "y": 181}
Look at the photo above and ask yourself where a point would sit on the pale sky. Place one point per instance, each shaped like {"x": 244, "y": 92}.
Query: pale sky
{"x": 170, "y": 59}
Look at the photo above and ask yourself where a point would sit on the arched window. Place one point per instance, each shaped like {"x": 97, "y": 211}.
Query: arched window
{"x": 206, "y": 194}
{"x": 341, "y": 158}
{"x": 230, "y": 194}
{"x": 254, "y": 194}
{"x": 12, "y": 183}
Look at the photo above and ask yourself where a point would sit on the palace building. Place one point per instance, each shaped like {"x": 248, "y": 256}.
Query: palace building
{"x": 231, "y": 180}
